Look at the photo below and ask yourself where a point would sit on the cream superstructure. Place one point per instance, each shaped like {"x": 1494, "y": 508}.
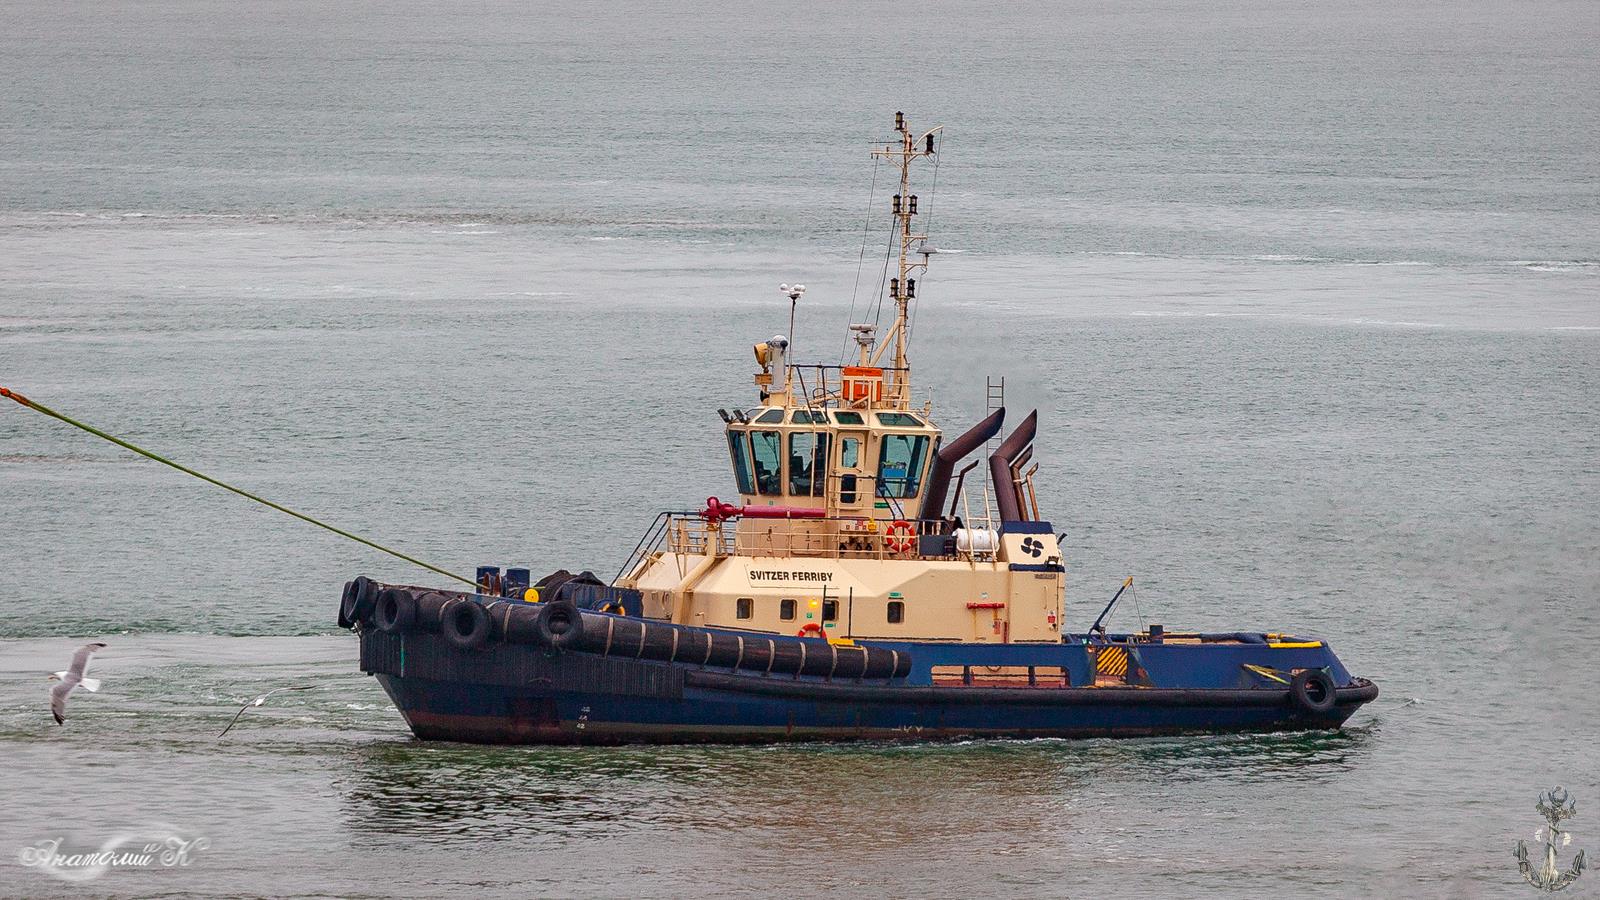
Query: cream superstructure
{"x": 842, "y": 527}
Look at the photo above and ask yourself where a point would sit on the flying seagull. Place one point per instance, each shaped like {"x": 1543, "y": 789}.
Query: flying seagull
{"x": 258, "y": 701}
{"x": 71, "y": 678}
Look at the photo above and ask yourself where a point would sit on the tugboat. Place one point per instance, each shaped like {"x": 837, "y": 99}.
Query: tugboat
{"x": 841, "y": 597}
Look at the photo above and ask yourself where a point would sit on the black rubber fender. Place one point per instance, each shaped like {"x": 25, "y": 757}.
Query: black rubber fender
{"x": 357, "y": 602}
{"x": 395, "y": 611}
{"x": 466, "y": 624}
{"x": 346, "y": 604}
{"x": 1313, "y": 691}
{"x": 515, "y": 622}
{"x": 560, "y": 624}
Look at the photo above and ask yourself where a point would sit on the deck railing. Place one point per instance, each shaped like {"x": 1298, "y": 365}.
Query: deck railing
{"x": 833, "y": 537}
{"x": 858, "y": 387}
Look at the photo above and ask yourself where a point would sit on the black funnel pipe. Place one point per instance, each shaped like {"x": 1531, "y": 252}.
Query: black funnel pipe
{"x": 944, "y": 462}
{"x": 1006, "y": 493}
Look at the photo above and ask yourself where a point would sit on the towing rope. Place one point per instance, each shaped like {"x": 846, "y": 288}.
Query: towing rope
{"x": 40, "y": 407}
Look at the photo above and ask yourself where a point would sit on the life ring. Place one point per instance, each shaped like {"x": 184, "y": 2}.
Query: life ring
{"x": 900, "y": 536}
{"x": 1312, "y": 691}
{"x": 811, "y": 629}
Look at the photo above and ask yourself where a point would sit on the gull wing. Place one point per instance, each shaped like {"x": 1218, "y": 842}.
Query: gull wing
{"x": 58, "y": 701}
{"x": 80, "y": 662}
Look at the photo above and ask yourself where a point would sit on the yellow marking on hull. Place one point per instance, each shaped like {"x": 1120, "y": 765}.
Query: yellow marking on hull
{"x": 1265, "y": 672}
{"x": 1112, "y": 661}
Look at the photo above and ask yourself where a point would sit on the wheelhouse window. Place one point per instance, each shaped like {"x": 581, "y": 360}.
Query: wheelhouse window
{"x": 770, "y": 417}
{"x": 897, "y": 612}
{"x": 807, "y": 417}
{"x": 848, "y": 418}
{"x": 766, "y": 454}
{"x": 739, "y": 450}
{"x": 808, "y": 463}
{"x": 744, "y": 608}
{"x": 786, "y": 609}
{"x": 900, "y": 464}
{"x": 898, "y": 420}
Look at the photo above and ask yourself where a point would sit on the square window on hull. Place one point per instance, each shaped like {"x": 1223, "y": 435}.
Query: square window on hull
{"x": 744, "y": 607}
{"x": 897, "y": 612}
{"x": 786, "y": 609}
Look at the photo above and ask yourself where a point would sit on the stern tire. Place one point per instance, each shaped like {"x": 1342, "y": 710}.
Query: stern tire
{"x": 1312, "y": 690}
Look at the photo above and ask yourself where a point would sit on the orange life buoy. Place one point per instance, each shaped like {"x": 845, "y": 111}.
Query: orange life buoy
{"x": 900, "y": 536}
{"x": 811, "y": 629}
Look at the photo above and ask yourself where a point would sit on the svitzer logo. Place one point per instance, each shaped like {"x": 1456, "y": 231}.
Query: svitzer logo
{"x": 1032, "y": 546}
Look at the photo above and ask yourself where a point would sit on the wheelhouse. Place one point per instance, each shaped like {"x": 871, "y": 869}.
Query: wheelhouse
{"x": 846, "y": 462}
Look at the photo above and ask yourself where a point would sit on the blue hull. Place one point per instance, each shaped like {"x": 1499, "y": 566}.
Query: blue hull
{"x": 521, "y": 694}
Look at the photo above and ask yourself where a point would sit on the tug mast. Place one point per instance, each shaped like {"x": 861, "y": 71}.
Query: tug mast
{"x": 903, "y": 287}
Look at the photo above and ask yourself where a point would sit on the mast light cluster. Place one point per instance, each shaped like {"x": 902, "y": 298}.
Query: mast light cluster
{"x": 903, "y": 287}
{"x": 872, "y": 379}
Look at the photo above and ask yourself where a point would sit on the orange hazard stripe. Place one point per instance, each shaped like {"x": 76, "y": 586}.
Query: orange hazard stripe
{"x": 1112, "y": 661}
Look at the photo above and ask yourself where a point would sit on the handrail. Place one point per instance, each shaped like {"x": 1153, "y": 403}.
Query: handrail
{"x": 804, "y": 537}
{"x": 653, "y": 537}
{"x": 689, "y": 534}
{"x": 828, "y": 386}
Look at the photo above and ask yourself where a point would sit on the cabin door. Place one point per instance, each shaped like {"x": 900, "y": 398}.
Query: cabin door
{"x": 850, "y": 463}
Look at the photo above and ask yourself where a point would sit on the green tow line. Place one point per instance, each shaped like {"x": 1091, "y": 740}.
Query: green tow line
{"x": 39, "y": 407}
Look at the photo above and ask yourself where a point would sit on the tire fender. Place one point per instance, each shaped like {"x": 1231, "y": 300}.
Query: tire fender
{"x": 466, "y": 624}
{"x": 560, "y": 624}
{"x": 1312, "y": 691}
{"x": 395, "y": 611}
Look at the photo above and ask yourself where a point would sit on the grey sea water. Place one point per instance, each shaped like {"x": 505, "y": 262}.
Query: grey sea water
{"x": 1308, "y": 296}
